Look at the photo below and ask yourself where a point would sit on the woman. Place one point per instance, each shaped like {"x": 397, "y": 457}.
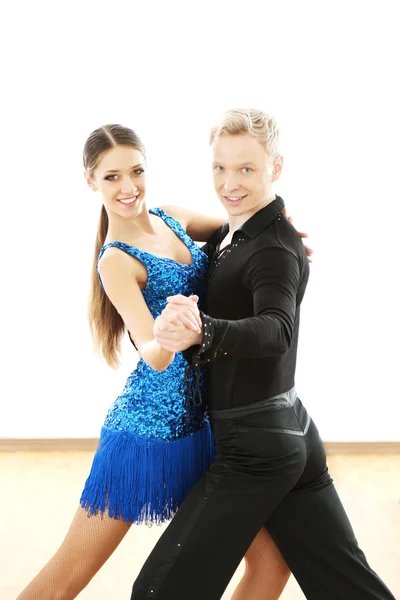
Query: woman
{"x": 156, "y": 441}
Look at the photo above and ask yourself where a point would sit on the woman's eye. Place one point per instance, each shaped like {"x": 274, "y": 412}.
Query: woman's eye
{"x": 111, "y": 177}
{"x": 138, "y": 171}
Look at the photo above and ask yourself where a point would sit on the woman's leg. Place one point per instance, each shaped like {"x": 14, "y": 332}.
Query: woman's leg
{"x": 89, "y": 542}
{"x": 266, "y": 572}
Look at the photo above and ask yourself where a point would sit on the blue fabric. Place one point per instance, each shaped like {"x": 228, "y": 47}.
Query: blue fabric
{"x": 156, "y": 442}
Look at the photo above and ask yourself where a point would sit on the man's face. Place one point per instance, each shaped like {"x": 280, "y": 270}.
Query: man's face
{"x": 243, "y": 174}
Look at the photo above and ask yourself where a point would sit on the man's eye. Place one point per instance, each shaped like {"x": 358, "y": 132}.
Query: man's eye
{"x": 219, "y": 169}
{"x": 246, "y": 170}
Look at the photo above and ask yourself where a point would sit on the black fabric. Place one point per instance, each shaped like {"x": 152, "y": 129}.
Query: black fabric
{"x": 270, "y": 469}
{"x": 252, "y": 310}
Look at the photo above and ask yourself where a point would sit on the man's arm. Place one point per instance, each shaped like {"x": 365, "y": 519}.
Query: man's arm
{"x": 273, "y": 275}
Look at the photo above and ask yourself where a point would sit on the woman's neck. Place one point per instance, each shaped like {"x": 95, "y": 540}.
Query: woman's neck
{"x": 121, "y": 229}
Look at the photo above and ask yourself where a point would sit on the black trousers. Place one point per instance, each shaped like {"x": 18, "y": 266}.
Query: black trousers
{"x": 270, "y": 469}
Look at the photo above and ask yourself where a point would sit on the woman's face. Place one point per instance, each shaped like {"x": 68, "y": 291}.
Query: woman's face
{"x": 120, "y": 178}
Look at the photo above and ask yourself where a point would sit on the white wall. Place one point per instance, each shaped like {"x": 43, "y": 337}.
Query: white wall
{"x": 327, "y": 73}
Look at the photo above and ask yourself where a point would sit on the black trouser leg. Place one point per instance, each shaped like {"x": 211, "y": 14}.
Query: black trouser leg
{"x": 314, "y": 534}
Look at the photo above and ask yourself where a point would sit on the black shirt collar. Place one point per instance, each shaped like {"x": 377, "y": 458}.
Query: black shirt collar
{"x": 260, "y": 221}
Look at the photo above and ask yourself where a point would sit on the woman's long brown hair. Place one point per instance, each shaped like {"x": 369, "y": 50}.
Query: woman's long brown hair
{"x": 105, "y": 322}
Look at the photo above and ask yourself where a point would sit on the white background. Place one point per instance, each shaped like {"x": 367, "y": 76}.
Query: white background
{"x": 327, "y": 71}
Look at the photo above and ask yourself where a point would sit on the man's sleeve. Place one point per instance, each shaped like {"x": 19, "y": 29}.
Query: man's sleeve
{"x": 273, "y": 275}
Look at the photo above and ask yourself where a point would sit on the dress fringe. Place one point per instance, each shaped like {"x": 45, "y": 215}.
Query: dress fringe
{"x": 144, "y": 480}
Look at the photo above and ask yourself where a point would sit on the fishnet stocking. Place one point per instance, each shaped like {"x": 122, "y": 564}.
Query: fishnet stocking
{"x": 89, "y": 542}
{"x": 266, "y": 572}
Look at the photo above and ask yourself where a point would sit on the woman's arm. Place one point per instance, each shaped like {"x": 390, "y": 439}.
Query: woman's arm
{"x": 120, "y": 275}
{"x": 200, "y": 227}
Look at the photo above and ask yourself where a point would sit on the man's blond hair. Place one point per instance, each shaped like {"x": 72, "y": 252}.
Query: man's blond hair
{"x": 256, "y": 122}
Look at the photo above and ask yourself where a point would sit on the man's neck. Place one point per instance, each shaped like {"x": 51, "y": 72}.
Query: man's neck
{"x": 236, "y": 221}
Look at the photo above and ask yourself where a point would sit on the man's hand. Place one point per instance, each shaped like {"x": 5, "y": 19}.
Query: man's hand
{"x": 179, "y": 325}
{"x": 309, "y": 251}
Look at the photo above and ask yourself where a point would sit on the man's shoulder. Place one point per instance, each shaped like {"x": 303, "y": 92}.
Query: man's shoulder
{"x": 280, "y": 246}
{"x": 281, "y": 235}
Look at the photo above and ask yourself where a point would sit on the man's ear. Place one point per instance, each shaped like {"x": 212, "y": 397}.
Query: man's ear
{"x": 90, "y": 182}
{"x": 278, "y": 167}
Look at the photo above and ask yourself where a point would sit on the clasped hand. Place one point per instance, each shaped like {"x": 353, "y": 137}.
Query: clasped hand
{"x": 179, "y": 325}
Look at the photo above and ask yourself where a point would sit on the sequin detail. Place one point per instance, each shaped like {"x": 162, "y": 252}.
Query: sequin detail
{"x": 154, "y": 407}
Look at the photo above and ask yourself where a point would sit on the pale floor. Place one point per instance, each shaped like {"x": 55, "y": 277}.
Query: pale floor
{"x": 40, "y": 493}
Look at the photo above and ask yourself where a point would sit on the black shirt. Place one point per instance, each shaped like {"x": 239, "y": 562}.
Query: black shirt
{"x": 252, "y": 309}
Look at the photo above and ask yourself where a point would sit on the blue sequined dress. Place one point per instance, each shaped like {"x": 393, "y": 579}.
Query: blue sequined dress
{"x": 156, "y": 441}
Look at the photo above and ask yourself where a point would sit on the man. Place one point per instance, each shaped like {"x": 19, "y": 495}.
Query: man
{"x": 270, "y": 465}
